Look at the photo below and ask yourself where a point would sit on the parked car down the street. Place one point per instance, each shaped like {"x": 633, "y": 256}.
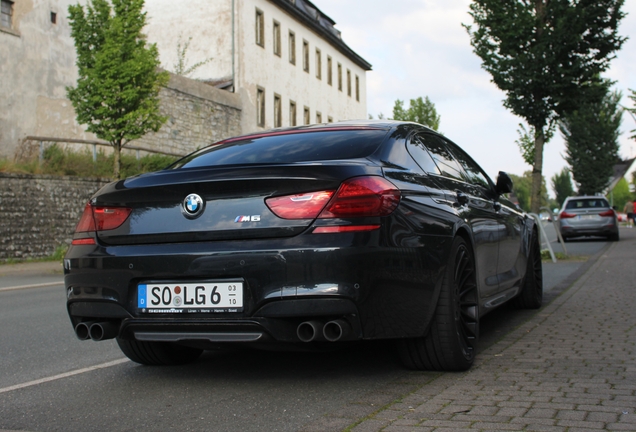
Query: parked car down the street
{"x": 588, "y": 216}
{"x": 308, "y": 237}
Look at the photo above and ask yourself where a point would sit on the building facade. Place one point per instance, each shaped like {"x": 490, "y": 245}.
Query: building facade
{"x": 37, "y": 62}
{"x": 284, "y": 58}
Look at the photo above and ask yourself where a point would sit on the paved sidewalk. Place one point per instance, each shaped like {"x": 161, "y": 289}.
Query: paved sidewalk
{"x": 570, "y": 367}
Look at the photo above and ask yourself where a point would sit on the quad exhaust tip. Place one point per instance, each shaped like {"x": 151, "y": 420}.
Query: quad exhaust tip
{"x": 335, "y": 330}
{"x": 332, "y": 331}
{"x": 96, "y": 331}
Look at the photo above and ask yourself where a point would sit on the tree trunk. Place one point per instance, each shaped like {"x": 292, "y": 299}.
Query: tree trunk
{"x": 539, "y": 136}
{"x": 117, "y": 160}
{"x": 537, "y": 170}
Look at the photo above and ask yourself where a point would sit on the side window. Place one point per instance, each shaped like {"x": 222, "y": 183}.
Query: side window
{"x": 441, "y": 154}
{"x": 419, "y": 153}
{"x": 260, "y": 28}
{"x": 475, "y": 174}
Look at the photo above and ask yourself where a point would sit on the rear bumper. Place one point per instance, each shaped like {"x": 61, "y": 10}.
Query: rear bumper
{"x": 580, "y": 231}
{"x": 373, "y": 292}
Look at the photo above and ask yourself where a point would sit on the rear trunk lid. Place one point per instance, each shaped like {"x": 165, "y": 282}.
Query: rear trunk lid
{"x": 232, "y": 201}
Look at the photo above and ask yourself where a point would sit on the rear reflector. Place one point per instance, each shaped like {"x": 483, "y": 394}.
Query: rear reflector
{"x": 83, "y": 242}
{"x": 348, "y": 228}
{"x": 102, "y": 218}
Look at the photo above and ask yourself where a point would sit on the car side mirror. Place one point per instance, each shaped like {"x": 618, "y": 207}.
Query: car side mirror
{"x": 504, "y": 183}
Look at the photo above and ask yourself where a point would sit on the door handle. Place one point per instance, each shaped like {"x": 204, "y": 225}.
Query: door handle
{"x": 462, "y": 199}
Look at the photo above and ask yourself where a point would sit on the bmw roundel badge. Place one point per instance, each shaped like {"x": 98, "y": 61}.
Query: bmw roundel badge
{"x": 193, "y": 206}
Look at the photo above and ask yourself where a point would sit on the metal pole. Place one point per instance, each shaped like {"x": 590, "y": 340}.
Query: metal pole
{"x": 544, "y": 235}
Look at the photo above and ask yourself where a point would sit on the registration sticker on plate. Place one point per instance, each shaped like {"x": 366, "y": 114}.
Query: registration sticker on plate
{"x": 190, "y": 297}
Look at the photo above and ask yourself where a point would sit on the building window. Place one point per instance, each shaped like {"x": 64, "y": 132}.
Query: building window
{"x": 357, "y": 88}
{"x": 6, "y": 11}
{"x": 292, "y": 113}
{"x": 292, "y": 47}
{"x": 307, "y": 116}
{"x": 305, "y": 56}
{"x": 318, "y": 64}
{"x": 260, "y": 28}
{"x": 348, "y": 83}
{"x": 329, "y": 73}
{"x": 278, "y": 111}
{"x": 260, "y": 107}
{"x": 329, "y": 119}
{"x": 53, "y": 18}
{"x": 318, "y": 117}
{"x": 277, "y": 49}
{"x": 339, "y": 77}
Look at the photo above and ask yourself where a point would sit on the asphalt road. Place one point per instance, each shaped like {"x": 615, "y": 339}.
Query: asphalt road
{"x": 51, "y": 381}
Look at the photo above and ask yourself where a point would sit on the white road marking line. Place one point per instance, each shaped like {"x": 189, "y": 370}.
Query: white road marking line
{"x": 19, "y": 287}
{"x": 63, "y": 375}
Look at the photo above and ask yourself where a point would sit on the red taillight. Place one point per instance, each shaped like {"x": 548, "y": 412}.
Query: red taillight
{"x": 566, "y": 215}
{"x": 86, "y": 222}
{"x": 363, "y": 197}
{"x": 356, "y": 197}
{"x": 108, "y": 218}
{"x": 101, "y": 218}
{"x": 607, "y": 213}
{"x": 305, "y": 206}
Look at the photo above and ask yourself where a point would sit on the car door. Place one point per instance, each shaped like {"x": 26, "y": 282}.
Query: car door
{"x": 471, "y": 204}
{"x": 509, "y": 222}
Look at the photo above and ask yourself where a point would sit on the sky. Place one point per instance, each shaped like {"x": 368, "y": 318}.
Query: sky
{"x": 419, "y": 48}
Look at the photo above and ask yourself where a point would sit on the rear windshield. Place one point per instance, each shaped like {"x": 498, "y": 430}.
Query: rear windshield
{"x": 587, "y": 203}
{"x": 288, "y": 148}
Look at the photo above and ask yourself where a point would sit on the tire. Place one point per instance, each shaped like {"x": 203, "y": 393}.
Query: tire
{"x": 613, "y": 237}
{"x": 531, "y": 296}
{"x": 451, "y": 341}
{"x": 158, "y": 353}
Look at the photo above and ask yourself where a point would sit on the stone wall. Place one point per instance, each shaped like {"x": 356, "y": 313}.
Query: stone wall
{"x": 198, "y": 115}
{"x": 39, "y": 213}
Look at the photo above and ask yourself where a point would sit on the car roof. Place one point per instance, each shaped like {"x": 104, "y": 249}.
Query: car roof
{"x": 336, "y": 126}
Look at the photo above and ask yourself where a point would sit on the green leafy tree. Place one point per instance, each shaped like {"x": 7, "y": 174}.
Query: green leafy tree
{"x": 562, "y": 186}
{"x": 632, "y": 111}
{"x": 522, "y": 188}
{"x": 591, "y": 140}
{"x": 118, "y": 86}
{"x": 541, "y": 54}
{"x": 420, "y": 111}
{"x": 526, "y": 141}
{"x": 620, "y": 195}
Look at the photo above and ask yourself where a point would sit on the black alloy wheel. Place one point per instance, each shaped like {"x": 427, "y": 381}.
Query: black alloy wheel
{"x": 158, "y": 353}
{"x": 531, "y": 296}
{"x": 451, "y": 342}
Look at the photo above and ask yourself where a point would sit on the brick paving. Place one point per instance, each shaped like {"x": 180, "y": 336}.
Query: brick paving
{"x": 570, "y": 367}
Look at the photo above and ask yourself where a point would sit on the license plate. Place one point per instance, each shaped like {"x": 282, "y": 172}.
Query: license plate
{"x": 587, "y": 217}
{"x": 190, "y": 297}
